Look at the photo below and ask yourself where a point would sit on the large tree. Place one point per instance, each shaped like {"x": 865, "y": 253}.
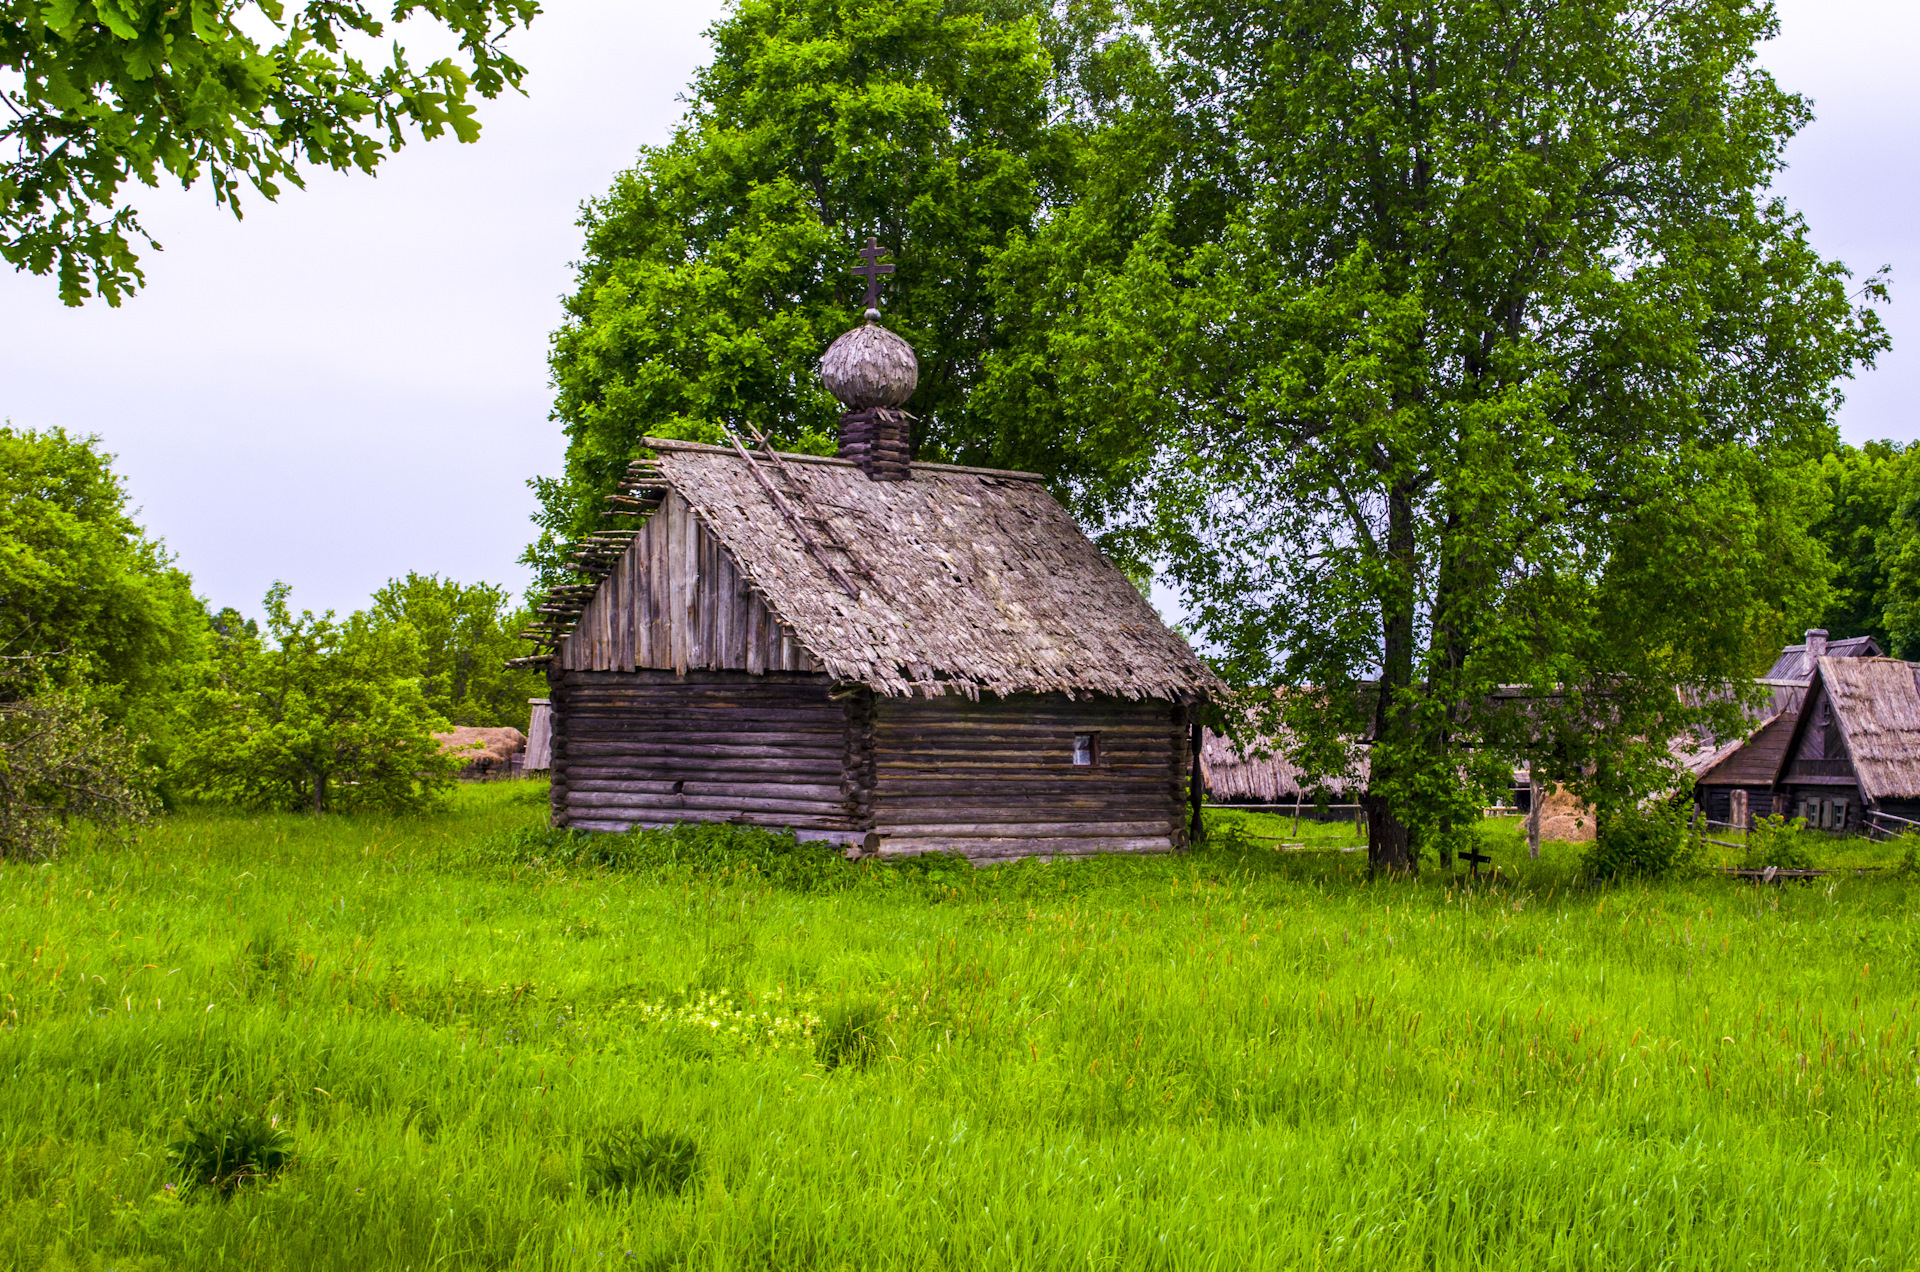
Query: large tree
{"x": 243, "y": 92}
{"x": 1862, "y": 529}
{"x": 717, "y": 269}
{"x": 1474, "y": 379}
{"x": 84, "y": 590}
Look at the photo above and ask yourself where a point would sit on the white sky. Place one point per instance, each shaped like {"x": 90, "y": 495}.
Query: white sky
{"x": 352, "y": 383}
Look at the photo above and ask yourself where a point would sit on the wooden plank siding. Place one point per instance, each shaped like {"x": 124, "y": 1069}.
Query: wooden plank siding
{"x": 650, "y": 747}
{"x": 677, "y": 601}
{"x": 995, "y": 778}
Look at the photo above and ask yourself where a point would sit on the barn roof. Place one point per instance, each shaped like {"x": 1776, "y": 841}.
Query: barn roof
{"x": 1876, "y": 702}
{"x": 961, "y": 579}
{"x": 1750, "y": 761}
{"x": 1793, "y": 663}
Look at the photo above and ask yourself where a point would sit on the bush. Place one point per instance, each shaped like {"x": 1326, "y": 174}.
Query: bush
{"x": 317, "y": 714}
{"x": 634, "y": 1160}
{"x": 1778, "y": 841}
{"x": 60, "y": 760}
{"x": 1639, "y": 843}
{"x": 231, "y": 1149}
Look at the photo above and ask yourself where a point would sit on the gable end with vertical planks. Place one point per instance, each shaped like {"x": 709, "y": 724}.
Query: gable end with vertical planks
{"x": 677, "y": 601}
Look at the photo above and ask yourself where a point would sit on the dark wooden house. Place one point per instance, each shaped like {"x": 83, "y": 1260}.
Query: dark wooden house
{"x": 1854, "y": 748}
{"x": 1735, "y": 782}
{"x": 901, "y": 657}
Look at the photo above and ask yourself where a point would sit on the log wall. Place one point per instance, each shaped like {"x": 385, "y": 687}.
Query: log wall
{"x": 648, "y": 748}
{"x": 676, "y": 601}
{"x": 995, "y": 778}
{"x": 992, "y": 779}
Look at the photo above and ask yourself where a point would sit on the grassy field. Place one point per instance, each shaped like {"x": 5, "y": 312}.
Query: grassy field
{"x": 1239, "y": 1058}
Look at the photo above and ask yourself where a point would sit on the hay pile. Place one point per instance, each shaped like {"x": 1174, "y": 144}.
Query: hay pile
{"x": 1564, "y": 817}
{"x": 488, "y": 751}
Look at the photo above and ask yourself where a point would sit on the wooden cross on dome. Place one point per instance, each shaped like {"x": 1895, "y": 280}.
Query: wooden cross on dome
{"x": 872, "y": 271}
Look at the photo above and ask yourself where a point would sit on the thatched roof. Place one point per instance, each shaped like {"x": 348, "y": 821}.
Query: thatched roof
{"x": 1876, "y": 702}
{"x": 959, "y": 580}
{"x": 1232, "y": 775}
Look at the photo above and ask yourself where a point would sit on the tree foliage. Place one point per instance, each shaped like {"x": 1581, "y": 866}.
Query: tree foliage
{"x": 1860, "y": 528}
{"x": 466, "y": 633}
{"x": 84, "y": 589}
{"x": 717, "y": 269}
{"x": 316, "y": 713}
{"x": 1473, "y": 366}
{"x": 104, "y": 92}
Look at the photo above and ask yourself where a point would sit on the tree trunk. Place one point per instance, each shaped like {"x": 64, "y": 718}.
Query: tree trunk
{"x": 1390, "y": 843}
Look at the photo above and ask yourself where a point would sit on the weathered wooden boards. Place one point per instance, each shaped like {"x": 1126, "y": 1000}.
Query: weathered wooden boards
{"x": 539, "y": 735}
{"x": 676, "y": 601}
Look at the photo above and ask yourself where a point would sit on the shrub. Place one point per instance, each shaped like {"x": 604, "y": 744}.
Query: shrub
{"x": 1639, "y": 843}
{"x": 317, "y": 714}
{"x": 229, "y": 1149}
{"x": 1778, "y": 841}
{"x": 851, "y": 1037}
{"x": 60, "y": 760}
{"x": 635, "y": 1160}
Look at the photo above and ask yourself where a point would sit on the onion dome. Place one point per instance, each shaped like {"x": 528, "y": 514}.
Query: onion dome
{"x": 870, "y": 366}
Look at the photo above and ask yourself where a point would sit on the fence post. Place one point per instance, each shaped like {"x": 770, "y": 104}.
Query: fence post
{"x": 1533, "y": 814}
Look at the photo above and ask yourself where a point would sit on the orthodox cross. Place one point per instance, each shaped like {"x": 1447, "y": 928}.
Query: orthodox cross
{"x": 872, "y": 271}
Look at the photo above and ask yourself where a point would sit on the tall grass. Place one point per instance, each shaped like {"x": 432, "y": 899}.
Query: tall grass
{"x": 1237, "y": 1058}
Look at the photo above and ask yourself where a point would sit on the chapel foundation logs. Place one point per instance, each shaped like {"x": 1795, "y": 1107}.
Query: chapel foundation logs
{"x": 649, "y": 747}
{"x": 991, "y": 779}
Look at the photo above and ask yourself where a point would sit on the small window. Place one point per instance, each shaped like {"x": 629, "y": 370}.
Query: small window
{"x": 1086, "y": 748}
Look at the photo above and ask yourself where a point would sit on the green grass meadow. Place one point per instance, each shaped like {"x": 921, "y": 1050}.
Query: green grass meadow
{"x": 1236, "y": 1058}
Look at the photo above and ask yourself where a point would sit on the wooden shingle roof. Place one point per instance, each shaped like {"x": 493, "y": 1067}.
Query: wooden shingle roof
{"x": 959, "y": 580}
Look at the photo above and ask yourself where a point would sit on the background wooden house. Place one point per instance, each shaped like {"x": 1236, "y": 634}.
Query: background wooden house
{"x": 902, "y": 657}
{"x": 1233, "y": 775}
{"x": 1735, "y": 782}
{"x": 1854, "y": 749}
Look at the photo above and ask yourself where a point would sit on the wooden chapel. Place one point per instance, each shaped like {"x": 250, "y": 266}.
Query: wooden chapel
{"x": 897, "y": 656}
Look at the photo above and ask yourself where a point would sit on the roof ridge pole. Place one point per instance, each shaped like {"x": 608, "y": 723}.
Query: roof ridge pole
{"x": 794, "y": 519}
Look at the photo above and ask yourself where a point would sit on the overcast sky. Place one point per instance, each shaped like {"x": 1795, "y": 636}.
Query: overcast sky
{"x": 352, "y": 383}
